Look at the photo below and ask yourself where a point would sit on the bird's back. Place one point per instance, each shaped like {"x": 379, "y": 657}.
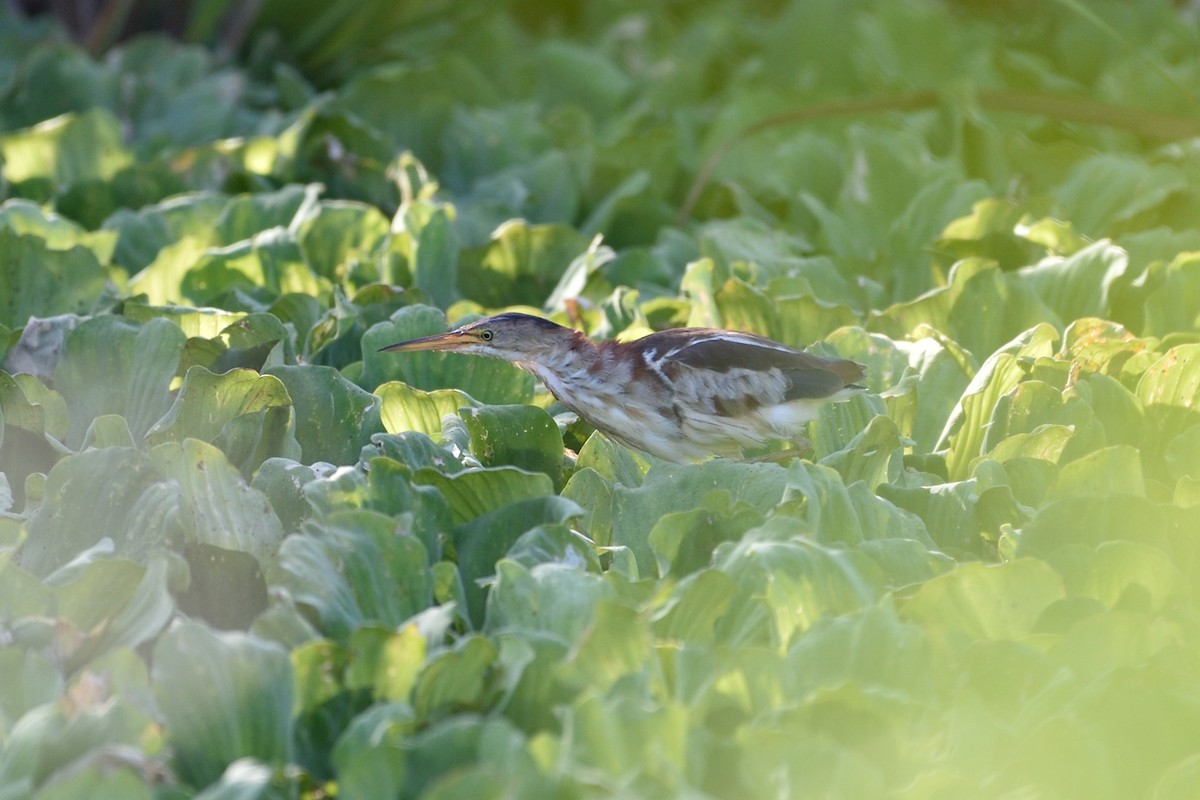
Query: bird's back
{"x": 722, "y": 391}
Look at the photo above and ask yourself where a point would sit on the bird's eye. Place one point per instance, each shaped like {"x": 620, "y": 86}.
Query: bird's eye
{"x": 485, "y": 335}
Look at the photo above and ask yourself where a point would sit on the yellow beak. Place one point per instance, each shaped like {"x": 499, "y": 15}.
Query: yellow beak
{"x": 454, "y": 340}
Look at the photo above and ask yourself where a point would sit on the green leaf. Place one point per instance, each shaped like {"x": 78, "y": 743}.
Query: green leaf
{"x": 594, "y": 494}
{"x": 67, "y": 149}
{"x": 837, "y": 513}
{"x": 1111, "y": 188}
{"x": 251, "y": 341}
{"x": 516, "y": 435}
{"x": 683, "y": 541}
{"x": 224, "y": 696}
{"x": 1169, "y": 391}
{"x": 1115, "y": 407}
{"x": 475, "y": 492}
{"x": 37, "y": 281}
{"x": 33, "y": 680}
{"x": 115, "y": 482}
{"x": 920, "y": 380}
{"x": 951, "y": 513}
{"x": 99, "y": 783}
{"x": 1172, "y": 304}
{"x": 555, "y": 600}
{"x": 27, "y": 404}
{"x": 616, "y": 643}
{"x": 699, "y": 286}
{"x": 370, "y": 753}
{"x": 455, "y": 679}
{"x": 197, "y": 323}
{"x": 1113, "y": 470}
{"x": 248, "y": 415}
{"x": 1173, "y": 381}
{"x": 339, "y": 235}
{"x": 390, "y": 490}
{"x": 412, "y": 449}
{"x": 451, "y": 749}
{"x": 115, "y": 603}
{"x": 981, "y": 308}
{"x": 282, "y": 481}
{"x": 826, "y": 768}
{"x": 107, "y": 430}
{"x": 242, "y": 217}
{"x": 1079, "y": 285}
{"x": 770, "y": 250}
{"x": 1120, "y": 572}
{"x": 570, "y": 73}
{"x": 967, "y": 428}
{"x": 272, "y": 263}
{"x": 226, "y": 588}
{"x": 1091, "y": 521}
{"x": 183, "y": 219}
{"x": 354, "y": 568}
{"x": 615, "y": 463}
{"x": 1183, "y": 454}
{"x": 215, "y": 504}
{"x": 698, "y": 602}
{"x": 673, "y": 487}
{"x": 806, "y": 318}
{"x": 1177, "y": 782}
{"x": 436, "y": 255}
{"x": 334, "y": 418}
{"x": 787, "y": 583}
{"x": 1033, "y": 409}
{"x": 166, "y": 268}
{"x": 868, "y": 456}
{"x": 1100, "y": 344}
{"x": 873, "y": 649}
{"x": 387, "y": 663}
{"x": 998, "y": 601}
{"x": 522, "y": 264}
{"x": 404, "y": 409}
{"x": 486, "y": 538}
{"x": 112, "y": 366}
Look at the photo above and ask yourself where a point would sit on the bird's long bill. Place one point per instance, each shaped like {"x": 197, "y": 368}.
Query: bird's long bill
{"x": 454, "y": 340}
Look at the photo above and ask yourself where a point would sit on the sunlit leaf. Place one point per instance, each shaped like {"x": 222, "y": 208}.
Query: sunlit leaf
{"x": 66, "y": 149}
{"x": 246, "y": 414}
{"x": 967, "y": 426}
{"x": 987, "y": 601}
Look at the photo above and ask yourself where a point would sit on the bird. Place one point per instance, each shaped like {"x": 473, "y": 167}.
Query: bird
{"x": 681, "y": 394}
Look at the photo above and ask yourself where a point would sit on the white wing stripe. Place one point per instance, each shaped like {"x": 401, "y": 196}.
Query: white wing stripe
{"x": 733, "y": 338}
{"x": 655, "y": 363}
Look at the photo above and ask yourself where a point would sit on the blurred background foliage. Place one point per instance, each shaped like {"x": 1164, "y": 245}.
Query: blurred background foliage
{"x": 244, "y": 554}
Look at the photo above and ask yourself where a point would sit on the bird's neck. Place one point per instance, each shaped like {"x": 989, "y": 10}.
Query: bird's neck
{"x": 578, "y": 365}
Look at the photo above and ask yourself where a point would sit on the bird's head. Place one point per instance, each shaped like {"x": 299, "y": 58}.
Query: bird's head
{"x": 519, "y": 338}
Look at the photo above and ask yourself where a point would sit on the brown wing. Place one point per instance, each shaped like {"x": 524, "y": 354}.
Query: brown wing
{"x": 808, "y": 376}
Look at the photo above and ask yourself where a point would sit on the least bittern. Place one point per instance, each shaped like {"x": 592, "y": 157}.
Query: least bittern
{"x": 681, "y": 394}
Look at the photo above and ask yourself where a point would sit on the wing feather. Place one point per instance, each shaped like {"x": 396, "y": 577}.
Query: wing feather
{"x": 738, "y": 356}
